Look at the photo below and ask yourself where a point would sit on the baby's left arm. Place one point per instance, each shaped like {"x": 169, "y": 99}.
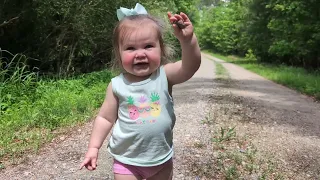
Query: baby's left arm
{"x": 183, "y": 70}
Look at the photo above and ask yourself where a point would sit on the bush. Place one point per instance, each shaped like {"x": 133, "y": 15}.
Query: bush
{"x": 250, "y": 56}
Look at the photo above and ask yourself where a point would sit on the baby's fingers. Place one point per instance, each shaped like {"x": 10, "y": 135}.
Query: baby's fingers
{"x": 171, "y": 18}
{"x": 84, "y": 163}
{"x": 90, "y": 164}
{"x": 94, "y": 163}
{"x": 169, "y": 15}
{"x": 184, "y": 17}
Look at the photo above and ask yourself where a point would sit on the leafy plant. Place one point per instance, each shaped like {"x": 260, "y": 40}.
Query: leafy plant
{"x": 250, "y": 56}
{"x": 277, "y": 31}
{"x": 225, "y": 134}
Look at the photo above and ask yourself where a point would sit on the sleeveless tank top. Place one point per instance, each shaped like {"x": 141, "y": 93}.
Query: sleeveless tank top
{"x": 142, "y": 134}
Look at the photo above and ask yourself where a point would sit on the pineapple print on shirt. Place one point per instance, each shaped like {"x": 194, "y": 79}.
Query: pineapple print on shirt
{"x": 146, "y": 109}
{"x": 133, "y": 110}
{"x": 155, "y": 106}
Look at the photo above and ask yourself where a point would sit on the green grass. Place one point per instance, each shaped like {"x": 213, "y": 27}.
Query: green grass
{"x": 296, "y": 78}
{"x": 220, "y": 70}
{"x": 33, "y": 109}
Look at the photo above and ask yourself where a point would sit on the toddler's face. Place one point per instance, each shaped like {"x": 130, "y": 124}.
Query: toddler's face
{"x": 140, "y": 51}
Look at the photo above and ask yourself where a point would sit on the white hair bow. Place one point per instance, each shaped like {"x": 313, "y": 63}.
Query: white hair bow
{"x": 123, "y": 12}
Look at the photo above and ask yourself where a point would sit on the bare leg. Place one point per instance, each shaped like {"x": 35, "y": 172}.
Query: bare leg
{"x": 164, "y": 174}
{"x": 126, "y": 177}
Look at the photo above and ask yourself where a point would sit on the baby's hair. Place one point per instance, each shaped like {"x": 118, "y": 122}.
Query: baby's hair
{"x": 126, "y": 26}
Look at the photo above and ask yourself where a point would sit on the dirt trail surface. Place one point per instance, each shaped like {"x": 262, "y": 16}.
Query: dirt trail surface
{"x": 280, "y": 122}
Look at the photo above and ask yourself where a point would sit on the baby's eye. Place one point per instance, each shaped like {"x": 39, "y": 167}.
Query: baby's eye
{"x": 149, "y": 46}
{"x": 130, "y": 48}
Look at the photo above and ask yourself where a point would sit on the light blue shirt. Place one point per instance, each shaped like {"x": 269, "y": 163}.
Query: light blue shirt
{"x": 142, "y": 134}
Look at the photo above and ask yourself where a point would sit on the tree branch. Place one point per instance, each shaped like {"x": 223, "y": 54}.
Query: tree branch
{"x": 9, "y": 22}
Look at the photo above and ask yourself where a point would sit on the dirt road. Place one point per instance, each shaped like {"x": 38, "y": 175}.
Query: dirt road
{"x": 281, "y": 122}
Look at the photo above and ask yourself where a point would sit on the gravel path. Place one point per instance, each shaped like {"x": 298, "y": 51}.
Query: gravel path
{"x": 281, "y": 122}
{"x": 60, "y": 159}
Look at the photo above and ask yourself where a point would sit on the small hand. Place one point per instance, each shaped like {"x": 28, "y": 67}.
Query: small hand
{"x": 90, "y": 161}
{"x": 182, "y": 26}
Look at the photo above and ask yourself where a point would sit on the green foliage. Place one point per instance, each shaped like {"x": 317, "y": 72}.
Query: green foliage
{"x": 250, "y": 56}
{"x": 206, "y": 3}
{"x": 294, "y": 26}
{"x": 29, "y": 121}
{"x": 220, "y": 28}
{"x": 188, "y": 7}
{"x": 277, "y": 31}
{"x": 16, "y": 82}
{"x": 30, "y": 107}
{"x": 225, "y": 134}
{"x": 66, "y": 37}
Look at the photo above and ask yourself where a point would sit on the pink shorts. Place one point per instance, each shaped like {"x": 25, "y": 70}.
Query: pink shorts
{"x": 144, "y": 172}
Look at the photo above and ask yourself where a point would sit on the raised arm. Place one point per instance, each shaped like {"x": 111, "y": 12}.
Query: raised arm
{"x": 103, "y": 123}
{"x": 184, "y": 69}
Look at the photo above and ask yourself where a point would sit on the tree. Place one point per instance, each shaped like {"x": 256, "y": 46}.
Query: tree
{"x": 277, "y": 31}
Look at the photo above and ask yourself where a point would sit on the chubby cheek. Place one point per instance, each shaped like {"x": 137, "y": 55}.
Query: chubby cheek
{"x": 126, "y": 60}
{"x": 155, "y": 58}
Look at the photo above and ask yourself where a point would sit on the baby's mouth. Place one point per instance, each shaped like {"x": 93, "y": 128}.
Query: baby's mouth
{"x": 141, "y": 64}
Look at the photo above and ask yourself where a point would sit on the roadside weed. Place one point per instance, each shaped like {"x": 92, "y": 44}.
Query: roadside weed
{"x": 208, "y": 119}
{"x": 221, "y": 72}
{"x": 225, "y": 134}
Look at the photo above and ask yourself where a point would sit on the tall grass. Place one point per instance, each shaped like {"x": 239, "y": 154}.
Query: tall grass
{"x": 32, "y": 108}
{"x": 14, "y": 79}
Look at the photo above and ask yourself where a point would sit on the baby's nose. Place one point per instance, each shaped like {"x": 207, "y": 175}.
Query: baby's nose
{"x": 140, "y": 53}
